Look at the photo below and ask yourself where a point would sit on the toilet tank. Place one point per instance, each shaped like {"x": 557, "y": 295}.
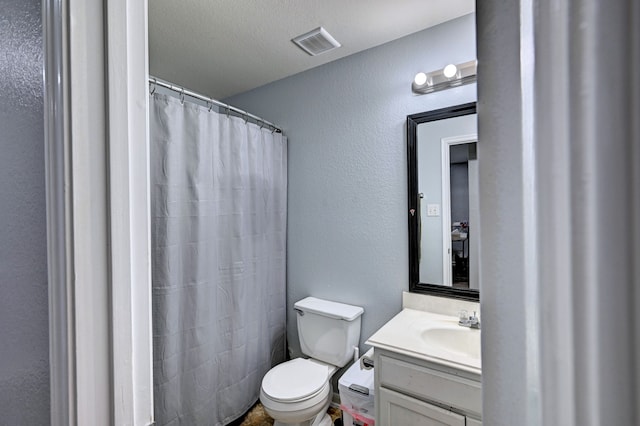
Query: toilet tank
{"x": 328, "y": 331}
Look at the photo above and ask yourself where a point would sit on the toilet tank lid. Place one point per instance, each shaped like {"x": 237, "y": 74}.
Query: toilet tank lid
{"x": 329, "y": 309}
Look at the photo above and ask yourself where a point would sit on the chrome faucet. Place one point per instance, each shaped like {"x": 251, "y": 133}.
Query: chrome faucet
{"x": 466, "y": 320}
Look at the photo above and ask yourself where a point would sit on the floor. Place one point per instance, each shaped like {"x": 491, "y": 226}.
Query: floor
{"x": 258, "y": 417}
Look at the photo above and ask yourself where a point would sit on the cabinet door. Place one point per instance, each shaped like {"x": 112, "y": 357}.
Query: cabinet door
{"x": 473, "y": 422}
{"x": 397, "y": 409}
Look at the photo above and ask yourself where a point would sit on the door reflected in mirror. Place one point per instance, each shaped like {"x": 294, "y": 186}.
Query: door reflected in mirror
{"x": 443, "y": 188}
{"x": 460, "y": 212}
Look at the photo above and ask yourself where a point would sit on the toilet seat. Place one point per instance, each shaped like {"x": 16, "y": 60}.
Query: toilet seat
{"x": 295, "y": 380}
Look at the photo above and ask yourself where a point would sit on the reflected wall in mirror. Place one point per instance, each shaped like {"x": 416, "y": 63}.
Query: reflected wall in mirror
{"x": 448, "y": 203}
{"x": 443, "y": 202}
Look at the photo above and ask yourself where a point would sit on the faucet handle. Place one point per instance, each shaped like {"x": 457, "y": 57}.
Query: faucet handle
{"x": 474, "y": 321}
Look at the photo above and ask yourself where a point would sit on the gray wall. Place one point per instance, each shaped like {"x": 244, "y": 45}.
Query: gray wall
{"x": 347, "y": 221}
{"x": 459, "y": 193}
{"x": 24, "y": 341}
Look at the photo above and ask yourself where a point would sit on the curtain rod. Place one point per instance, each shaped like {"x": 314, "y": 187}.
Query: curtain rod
{"x": 183, "y": 91}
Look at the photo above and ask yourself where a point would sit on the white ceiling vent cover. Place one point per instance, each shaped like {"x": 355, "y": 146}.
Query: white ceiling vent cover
{"x": 316, "y": 42}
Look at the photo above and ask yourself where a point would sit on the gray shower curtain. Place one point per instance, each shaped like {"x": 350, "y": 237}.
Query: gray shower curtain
{"x": 219, "y": 197}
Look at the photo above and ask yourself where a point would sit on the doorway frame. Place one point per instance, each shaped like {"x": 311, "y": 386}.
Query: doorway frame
{"x": 447, "y": 255}
{"x": 98, "y": 213}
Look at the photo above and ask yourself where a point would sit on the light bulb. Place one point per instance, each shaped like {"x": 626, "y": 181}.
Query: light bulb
{"x": 420, "y": 79}
{"x": 450, "y": 70}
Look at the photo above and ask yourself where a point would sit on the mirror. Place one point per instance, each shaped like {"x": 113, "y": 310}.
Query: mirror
{"x": 443, "y": 202}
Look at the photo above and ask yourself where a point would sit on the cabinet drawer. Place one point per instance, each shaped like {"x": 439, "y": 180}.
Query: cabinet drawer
{"x": 402, "y": 410}
{"x": 426, "y": 383}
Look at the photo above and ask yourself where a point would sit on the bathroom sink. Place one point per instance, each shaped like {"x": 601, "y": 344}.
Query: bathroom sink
{"x": 431, "y": 337}
{"x": 461, "y": 341}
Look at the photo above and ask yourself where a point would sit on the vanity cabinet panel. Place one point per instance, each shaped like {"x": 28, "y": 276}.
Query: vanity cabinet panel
{"x": 413, "y": 391}
{"x": 403, "y": 410}
{"x": 430, "y": 384}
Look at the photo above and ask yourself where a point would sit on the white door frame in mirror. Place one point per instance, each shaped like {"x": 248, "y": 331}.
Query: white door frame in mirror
{"x": 445, "y": 146}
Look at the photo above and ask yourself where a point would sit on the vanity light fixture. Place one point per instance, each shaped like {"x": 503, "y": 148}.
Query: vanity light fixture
{"x": 420, "y": 79}
{"x": 450, "y": 71}
{"x": 451, "y": 76}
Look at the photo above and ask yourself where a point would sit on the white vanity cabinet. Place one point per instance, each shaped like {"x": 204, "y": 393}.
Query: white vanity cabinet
{"x": 415, "y": 392}
{"x": 400, "y": 409}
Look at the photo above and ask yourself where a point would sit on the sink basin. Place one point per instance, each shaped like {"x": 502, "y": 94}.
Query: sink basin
{"x": 461, "y": 341}
{"x": 431, "y": 337}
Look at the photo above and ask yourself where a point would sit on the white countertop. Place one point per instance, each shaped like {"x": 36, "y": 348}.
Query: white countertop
{"x": 457, "y": 346}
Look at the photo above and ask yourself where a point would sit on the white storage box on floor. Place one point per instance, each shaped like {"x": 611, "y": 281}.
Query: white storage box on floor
{"x": 357, "y": 394}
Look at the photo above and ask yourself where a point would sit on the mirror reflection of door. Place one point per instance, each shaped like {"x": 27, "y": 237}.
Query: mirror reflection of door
{"x": 460, "y": 211}
{"x": 440, "y": 243}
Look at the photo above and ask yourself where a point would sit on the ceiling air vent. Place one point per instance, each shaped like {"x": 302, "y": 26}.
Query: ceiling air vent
{"x": 316, "y": 42}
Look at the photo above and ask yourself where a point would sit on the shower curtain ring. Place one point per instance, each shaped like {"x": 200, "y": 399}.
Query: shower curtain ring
{"x": 210, "y": 105}
{"x": 152, "y": 87}
{"x": 228, "y": 109}
{"x": 261, "y": 124}
{"x": 182, "y": 96}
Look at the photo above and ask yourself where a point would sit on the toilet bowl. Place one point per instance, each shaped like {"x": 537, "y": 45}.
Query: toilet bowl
{"x": 298, "y": 392}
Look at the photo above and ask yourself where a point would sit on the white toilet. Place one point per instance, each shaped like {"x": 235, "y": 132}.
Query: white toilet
{"x": 298, "y": 392}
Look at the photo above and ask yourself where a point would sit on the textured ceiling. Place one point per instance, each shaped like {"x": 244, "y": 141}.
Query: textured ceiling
{"x": 224, "y": 47}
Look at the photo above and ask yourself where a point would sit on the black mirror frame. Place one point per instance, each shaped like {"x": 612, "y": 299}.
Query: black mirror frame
{"x": 415, "y": 286}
